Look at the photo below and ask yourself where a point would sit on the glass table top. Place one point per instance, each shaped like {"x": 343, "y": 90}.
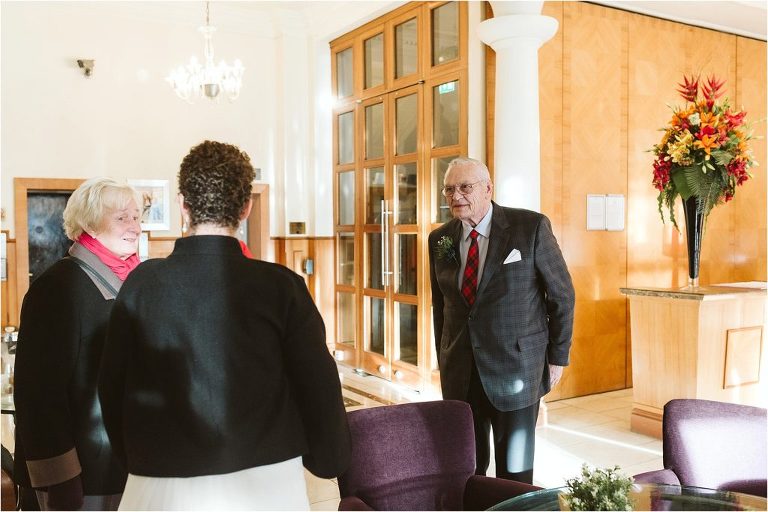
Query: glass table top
{"x": 649, "y": 497}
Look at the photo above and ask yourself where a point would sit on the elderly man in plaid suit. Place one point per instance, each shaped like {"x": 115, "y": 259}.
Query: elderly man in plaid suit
{"x": 503, "y": 312}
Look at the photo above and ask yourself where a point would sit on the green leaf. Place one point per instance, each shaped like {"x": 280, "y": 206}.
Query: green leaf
{"x": 722, "y": 158}
{"x": 679, "y": 177}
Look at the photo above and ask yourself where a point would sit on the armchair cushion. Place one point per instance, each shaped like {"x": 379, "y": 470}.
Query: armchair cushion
{"x": 660, "y": 476}
{"x": 415, "y": 456}
{"x": 353, "y": 503}
{"x": 482, "y": 492}
{"x": 716, "y": 444}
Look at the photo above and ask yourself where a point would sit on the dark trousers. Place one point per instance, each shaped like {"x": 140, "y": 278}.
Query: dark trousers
{"x": 514, "y": 435}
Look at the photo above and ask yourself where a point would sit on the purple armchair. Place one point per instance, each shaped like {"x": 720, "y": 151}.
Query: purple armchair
{"x": 713, "y": 444}
{"x": 418, "y": 456}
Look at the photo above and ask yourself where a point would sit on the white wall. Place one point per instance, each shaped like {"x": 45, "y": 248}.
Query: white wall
{"x": 124, "y": 121}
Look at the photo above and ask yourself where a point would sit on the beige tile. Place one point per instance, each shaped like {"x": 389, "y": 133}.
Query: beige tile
{"x": 320, "y": 489}
{"x": 602, "y": 453}
{"x": 325, "y": 505}
{"x": 575, "y": 418}
{"x": 605, "y": 404}
{"x": 651, "y": 465}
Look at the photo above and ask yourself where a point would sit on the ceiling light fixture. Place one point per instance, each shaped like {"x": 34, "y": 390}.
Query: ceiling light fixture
{"x": 196, "y": 80}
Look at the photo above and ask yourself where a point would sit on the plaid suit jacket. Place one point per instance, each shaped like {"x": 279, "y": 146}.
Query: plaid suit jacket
{"x": 522, "y": 318}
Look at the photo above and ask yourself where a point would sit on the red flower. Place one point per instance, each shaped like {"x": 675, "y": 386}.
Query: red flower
{"x": 689, "y": 89}
{"x": 711, "y": 90}
{"x": 736, "y": 119}
{"x": 738, "y": 169}
{"x": 705, "y": 130}
{"x": 661, "y": 169}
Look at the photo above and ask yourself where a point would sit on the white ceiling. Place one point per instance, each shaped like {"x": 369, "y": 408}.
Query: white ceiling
{"x": 745, "y": 18}
{"x": 327, "y": 19}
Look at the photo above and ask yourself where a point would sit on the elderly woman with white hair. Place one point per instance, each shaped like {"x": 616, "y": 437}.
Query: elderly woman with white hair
{"x": 62, "y": 449}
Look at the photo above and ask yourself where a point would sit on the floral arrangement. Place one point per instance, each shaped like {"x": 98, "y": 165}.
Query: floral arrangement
{"x": 598, "y": 489}
{"x": 444, "y": 250}
{"x": 704, "y": 151}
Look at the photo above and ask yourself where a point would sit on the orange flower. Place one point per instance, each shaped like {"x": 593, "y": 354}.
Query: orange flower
{"x": 709, "y": 119}
{"x": 707, "y": 143}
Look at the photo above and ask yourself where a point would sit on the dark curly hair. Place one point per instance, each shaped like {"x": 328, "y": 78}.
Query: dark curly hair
{"x": 215, "y": 179}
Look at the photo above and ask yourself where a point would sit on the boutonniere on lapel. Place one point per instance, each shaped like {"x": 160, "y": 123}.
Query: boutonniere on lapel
{"x": 444, "y": 250}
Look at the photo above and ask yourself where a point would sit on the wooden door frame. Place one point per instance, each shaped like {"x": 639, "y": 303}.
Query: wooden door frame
{"x": 22, "y": 187}
{"x": 258, "y": 223}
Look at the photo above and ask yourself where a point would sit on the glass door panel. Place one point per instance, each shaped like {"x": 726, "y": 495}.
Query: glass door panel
{"x": 346, "y": 198}
{"x": 406, "y": 48}
{"x": 376, "y": 341}
{"x": 374, "y": 131}
{"x": 445, "y": 122}
{"x": 374, "y": 250}
{"x": 373, "y": 49}
{"x": 346, "y": 138}
{"x": 445, "y": 33}
{"x": 440, "y": 212}
{"x": 346, "y": 259}
{"x": 406, "y": 123}
{"x": 407, "y": 264}
{"x": 406, "y": 333}
{"x": 346, "y": 318}
{"x": 344, "y": 74}
{"x": 406, "y": 179}
{"x": 374, "y": 193}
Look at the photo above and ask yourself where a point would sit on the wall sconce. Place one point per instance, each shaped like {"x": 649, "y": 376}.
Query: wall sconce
{"x": 86, "y": 65}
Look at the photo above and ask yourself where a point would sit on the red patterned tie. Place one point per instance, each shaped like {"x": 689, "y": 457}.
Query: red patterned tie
{"x": 469, "y": 284}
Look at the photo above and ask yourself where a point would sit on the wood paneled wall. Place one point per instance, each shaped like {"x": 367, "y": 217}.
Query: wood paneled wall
{"x": 605, "y": 81}
{"x": 293, "y": 253}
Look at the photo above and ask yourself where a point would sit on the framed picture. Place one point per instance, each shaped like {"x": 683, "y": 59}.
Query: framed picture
{"x": 156, "y": 207}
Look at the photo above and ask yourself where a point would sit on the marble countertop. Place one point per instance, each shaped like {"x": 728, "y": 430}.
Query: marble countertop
{"x": 712, "y": 292}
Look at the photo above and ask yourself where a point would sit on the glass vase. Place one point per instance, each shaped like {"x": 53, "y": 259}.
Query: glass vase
{"x": 694, "y": 230}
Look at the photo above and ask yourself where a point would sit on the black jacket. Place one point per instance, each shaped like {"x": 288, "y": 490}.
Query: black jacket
{"x": 216, "y": 363}
{"x": 63, "y": 323}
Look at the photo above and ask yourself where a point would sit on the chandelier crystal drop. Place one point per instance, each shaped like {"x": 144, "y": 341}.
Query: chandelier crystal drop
{"x": 208, "y": 79}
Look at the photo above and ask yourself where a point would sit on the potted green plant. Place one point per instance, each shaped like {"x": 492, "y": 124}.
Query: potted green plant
{"x": 597, "y": 489}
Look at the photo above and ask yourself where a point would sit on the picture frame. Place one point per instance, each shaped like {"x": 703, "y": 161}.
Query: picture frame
{"x": 156, "y": 207}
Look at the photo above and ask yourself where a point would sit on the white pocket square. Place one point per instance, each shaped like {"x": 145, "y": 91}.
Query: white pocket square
{"x": 513, "y": 256}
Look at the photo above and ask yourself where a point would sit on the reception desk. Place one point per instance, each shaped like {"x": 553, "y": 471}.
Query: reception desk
{"x": 703, "y": 342}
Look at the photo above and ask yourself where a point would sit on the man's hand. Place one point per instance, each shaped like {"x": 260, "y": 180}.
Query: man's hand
{"x": 66, "y": 495}
{"x": 555, "y": 373}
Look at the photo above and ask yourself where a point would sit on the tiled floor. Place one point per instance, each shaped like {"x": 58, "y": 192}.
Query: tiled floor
{"x": 592, "y": 429}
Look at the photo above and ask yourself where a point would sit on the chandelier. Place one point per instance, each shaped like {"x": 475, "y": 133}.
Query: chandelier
{"x": 209, "y": 79}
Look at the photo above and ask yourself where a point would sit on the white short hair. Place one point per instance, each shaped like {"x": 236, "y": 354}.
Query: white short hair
{"x": 91, "y": 201}
{"x": 464, "y": 160}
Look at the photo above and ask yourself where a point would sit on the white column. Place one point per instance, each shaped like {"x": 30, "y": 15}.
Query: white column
{"x": 516, "y": 33}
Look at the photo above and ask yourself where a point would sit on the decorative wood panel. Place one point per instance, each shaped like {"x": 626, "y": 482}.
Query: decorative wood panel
{"x": 594, "y": 127}
{"x": 293, "y": 253}
{"x": 551, "y": 121}
{"x": 748, "y": 207}
{"x": 10, "y": 310}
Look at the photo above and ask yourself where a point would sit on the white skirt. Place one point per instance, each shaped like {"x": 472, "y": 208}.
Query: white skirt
{"x": 278, "y": 486}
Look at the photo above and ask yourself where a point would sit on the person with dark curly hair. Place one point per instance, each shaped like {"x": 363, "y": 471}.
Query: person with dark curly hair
{"x": 216, "y": 383}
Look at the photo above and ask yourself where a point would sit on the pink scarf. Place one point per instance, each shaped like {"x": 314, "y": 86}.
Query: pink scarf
{"x": 120, "y": 267}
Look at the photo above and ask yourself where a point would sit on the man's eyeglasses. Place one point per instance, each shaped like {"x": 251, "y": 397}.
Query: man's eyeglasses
{"x": 464, "y": 188}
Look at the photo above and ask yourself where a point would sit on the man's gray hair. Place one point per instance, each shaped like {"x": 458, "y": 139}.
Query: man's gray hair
{"x": 464, "y": 160}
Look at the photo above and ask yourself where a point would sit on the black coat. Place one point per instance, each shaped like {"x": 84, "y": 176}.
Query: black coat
{"x": 216, "y": 363}
{"x": 58, "y": 419}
